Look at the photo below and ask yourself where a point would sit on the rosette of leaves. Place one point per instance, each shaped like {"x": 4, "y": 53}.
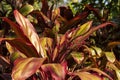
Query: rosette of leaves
{"x": 62, "y": 56}
{"x": 37, "y": 57}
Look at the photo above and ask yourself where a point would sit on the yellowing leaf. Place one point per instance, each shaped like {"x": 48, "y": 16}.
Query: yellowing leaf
{"x": 82, "y": 29}
{"x": 28, "y": 29}
{"x": 55, "y": 53}
{"x": 111, "y": 45}
{"x": 118, "y": 74}
{"x": 45, "y": 45}
{"x": 78, "y": 57}
{"x": 25, "y": 67}
{"x": 96, "y": 51}
{"x": 110, "y": 56}
{"x": 116, "y": 69}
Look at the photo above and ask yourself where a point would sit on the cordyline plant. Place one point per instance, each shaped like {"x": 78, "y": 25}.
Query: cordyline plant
{"x": 62, "y": 57}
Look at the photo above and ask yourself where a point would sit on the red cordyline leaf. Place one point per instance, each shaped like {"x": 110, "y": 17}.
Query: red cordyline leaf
{"x": 73, "y": 21}
{"x": 60, "y": 46}
{"x": 28, "y": 30}
{"x": 25, "y": 67}
{"x": 17, "y": 29}
{"x": 85, "y": 36}
{"x": 57, "y": 71}
{"x": 26, "y": 48}
{"x": 100, "y": 72}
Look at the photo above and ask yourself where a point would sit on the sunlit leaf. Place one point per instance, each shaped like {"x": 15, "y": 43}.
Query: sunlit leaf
{"x": 78, "y": 57}
{"x": 85, "y": 36}
{"x": 113, "y": 67}
{"x": 118, "y": 74}
{"x": 55, "y": 53}
{"x": 28, "y": 29}
{"x": 57, "y": 71}
{"x": 92, "y": 51}
{"x": 46, "y": 45}
{"x": 26, "y": 9}
{"x": 25, "y": 67}
{"x": 110, "y": 56}
{"x": 82, "y": 29}
{"x": 63, "y": 39}
{"x": 97, "y": 50}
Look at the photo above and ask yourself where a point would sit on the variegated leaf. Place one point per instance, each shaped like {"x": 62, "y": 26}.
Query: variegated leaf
{"x": 82, "y": 29}
{"x": 46, "y": 45}
{"x": 57, "y": 71}
{"x": 28, "y": 29}
{"x": 78, "y": 57}
{"x": 25, "y": 67}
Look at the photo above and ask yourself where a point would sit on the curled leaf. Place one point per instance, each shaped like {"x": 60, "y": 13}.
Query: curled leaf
{"x": 111, "y": 45}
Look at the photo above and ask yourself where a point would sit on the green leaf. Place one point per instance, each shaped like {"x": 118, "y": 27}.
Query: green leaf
{"x": 82, "y": 29}
{"x": 78, "y": 57}
{"x": 26, "y": 9}
{"x": 57, "y": 71}
{"x": 46, "y": 45}
{"x": 25, "y": 67}
{"x": 28, "y": 30}
{"x": 110, "y": 56}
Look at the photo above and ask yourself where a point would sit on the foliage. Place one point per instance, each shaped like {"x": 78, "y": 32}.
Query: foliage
{"x": 61, "y": 50}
